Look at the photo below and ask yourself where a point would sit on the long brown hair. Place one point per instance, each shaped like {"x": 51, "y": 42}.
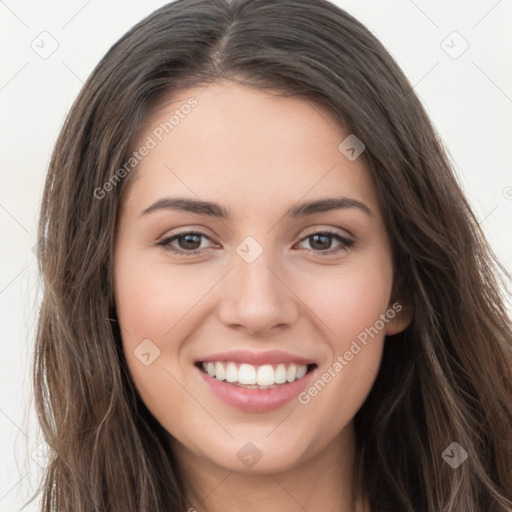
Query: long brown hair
{"x": 447, "y": 378}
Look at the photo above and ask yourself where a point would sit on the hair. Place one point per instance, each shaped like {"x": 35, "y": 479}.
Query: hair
{"x": 447, "y": 377}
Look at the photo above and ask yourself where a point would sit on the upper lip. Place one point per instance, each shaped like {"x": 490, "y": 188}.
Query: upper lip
{"x": 256, "y": 358}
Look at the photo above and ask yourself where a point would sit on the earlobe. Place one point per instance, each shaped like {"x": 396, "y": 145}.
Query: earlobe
{"x": 400, "y": 320}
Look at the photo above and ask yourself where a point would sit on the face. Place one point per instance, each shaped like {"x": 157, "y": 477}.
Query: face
{"x": 253, "y": 312}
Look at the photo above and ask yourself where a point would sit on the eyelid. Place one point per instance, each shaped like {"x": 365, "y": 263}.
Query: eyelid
{"x": 329, "y": 229}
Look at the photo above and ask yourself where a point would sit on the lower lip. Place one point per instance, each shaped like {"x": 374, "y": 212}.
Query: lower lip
{"x": 256, "y": 400}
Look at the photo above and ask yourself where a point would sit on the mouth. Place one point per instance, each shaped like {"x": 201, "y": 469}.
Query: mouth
{"x": 255, "y": 382}
{"x": 249, "y": 376}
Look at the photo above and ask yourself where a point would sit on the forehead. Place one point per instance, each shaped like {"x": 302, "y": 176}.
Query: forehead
{"x": 245, "y": 145}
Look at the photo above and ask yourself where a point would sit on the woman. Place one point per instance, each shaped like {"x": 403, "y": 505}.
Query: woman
{"x": 264, "y": 288}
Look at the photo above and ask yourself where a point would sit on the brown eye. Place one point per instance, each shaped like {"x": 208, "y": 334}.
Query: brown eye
{"x": 187, "y": 243}
{"x": 323, "y": 240}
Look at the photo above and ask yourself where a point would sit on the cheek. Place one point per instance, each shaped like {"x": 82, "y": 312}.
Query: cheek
{"x": 350, "y": 304}
{"x": 153, "y": 298}
{"x": 157, "y": 309}
{"x": 348, "y": 300}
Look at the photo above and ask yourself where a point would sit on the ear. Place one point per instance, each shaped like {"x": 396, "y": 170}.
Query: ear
{"x": 400, "y": 311}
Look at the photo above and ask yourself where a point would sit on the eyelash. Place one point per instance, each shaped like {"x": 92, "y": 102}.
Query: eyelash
{"x": 346, "y": 243}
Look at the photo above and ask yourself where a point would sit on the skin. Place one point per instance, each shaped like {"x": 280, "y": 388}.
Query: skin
{"x": 257, "y": 154}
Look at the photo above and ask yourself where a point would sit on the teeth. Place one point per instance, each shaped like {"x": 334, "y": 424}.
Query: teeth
{"x": 220, "y": 372}
{"x": 291, "y": 373}
{"x": 280, "y": 374}
{"x": 301, "y": 371}
{"x": 231, "y": 372}
{"x": 265, "y": 376}
{"x": 247, "y": 374}
{"x": 255, "y": 377}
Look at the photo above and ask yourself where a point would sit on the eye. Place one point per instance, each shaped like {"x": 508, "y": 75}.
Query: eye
{"x": 321, "y": 242}
{"x": 189, "y": 243}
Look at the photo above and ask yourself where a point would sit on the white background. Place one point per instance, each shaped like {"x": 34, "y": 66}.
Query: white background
{"x": 469, "y": 99}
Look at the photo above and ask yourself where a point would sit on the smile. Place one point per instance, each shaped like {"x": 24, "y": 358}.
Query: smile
{"x": 255, "y": 377}
{"x": 255, "y": 382}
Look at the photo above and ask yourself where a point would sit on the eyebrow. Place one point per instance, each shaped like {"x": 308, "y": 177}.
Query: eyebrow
{"x": 216, "y": 210}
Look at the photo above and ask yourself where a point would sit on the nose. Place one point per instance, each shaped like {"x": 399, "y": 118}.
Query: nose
{"x": 257, "y": 297}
